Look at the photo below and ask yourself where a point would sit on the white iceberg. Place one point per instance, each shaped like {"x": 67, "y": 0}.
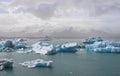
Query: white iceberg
{"x": 91, "y": 40}
{"x": 104, "y": 47}
{"x": 37, "y": 63}
{"x": 69, "y": 47}
{"x": 44, "y": 48}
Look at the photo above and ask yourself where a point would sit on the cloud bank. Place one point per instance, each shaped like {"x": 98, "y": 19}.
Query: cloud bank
{"x": 60, "y": 18}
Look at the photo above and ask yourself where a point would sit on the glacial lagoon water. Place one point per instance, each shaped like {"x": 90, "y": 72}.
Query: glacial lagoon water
{"x": 82, "y": 63}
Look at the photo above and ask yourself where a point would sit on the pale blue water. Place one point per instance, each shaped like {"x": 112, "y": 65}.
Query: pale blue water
{"x": 81, "y": 63}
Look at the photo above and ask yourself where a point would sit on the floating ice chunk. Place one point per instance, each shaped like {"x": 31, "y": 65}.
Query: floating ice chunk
{"x": 104, "y": 46}
{"x": 11, "y": 45}
{"x": 24, "y": 51}
{"x": 69, "y": 47}
{"x": 115, "y": 44}
{"x": 91, "y": 40}
{"x": 108, "y": 49}
{"x": 37, "y": 63}
{"x": 19, "y": 43}
{"x": 57, "y": 47}
{"x": 6, "y": 63}
{"x": 44, "y": 48}
{"x": 8, "y": 44}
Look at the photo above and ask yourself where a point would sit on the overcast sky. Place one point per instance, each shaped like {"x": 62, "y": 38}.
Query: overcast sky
{"x": 60, "y": 18}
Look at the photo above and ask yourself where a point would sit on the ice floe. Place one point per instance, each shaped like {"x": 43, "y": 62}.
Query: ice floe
{"x": 37, "y": 63}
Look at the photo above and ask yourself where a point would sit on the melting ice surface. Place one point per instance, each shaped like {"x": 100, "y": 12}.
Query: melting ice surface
{"x": 37, "y": 63}
{"x": 104, "y": 47}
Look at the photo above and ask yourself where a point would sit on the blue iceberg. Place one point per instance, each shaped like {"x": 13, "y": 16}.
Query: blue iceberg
{"x": 37, "y": 63}
{"x": 11, "y": 45}
{"x": 8, "y": 44}
{"x": 104, "y": 47}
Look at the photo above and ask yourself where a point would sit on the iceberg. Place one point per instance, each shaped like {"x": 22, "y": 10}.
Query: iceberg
{"x": 19, "y": 43}
{"x": 11, "y": 45}
{"x": 81, "y": 45}
{"x": 91, "y": 40}
{"x": 6, "y": 63}
{"x": 44, "y": 48}
{"x": 8, "y": 44}
{"x": 69, "y": 47}
{"x": 108, "y": 49}
{"x": 104, "y": 47}
{"x": 24, "y": 51}
{"x": 49, "y": 49}
{"x": 37, "y": 63}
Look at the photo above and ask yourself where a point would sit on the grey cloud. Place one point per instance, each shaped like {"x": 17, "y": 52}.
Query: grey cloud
{"x": 87, "y": 11}
{"x": 94, "y": 7}
{"x": 43, "y": 12}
